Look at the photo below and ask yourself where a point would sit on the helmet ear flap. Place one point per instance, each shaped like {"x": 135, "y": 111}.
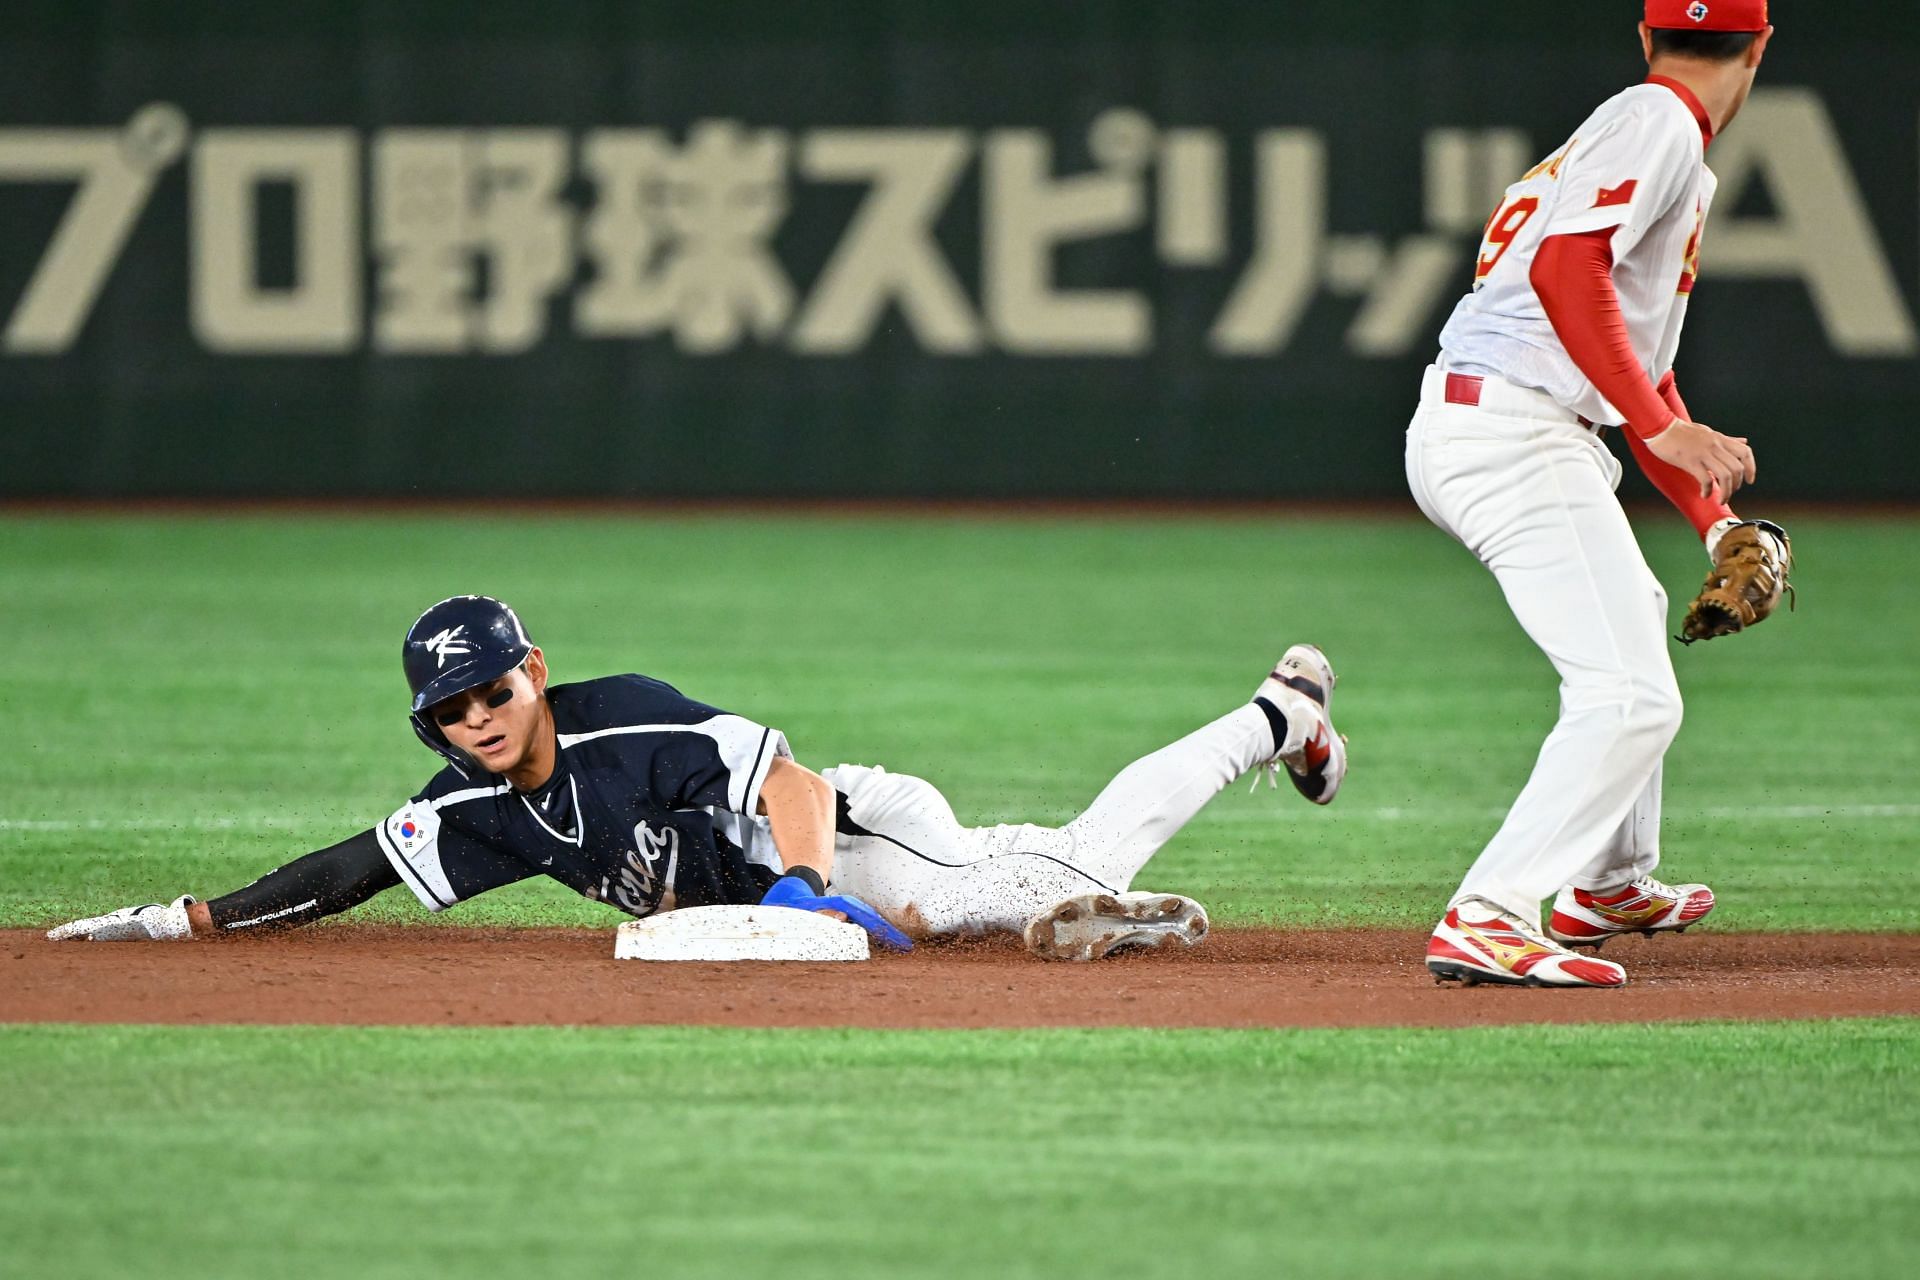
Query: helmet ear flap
{"x": 437, "y": 741}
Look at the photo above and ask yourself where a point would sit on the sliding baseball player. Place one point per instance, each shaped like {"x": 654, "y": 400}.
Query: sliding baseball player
{"x": 629, "y": 792}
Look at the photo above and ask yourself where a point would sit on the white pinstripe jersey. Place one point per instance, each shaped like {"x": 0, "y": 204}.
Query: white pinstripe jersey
{"x": 1636, "y": 164}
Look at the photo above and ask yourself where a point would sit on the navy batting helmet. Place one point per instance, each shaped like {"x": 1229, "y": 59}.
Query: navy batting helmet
{"x": 458, "y": 644}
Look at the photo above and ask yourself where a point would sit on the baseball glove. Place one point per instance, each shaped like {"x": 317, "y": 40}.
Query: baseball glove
{"x": 1750, "y": 573}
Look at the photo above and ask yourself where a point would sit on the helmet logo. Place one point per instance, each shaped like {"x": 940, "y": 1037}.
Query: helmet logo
{"x": 447, "y": 643}
{"x": 1697, "y": 11}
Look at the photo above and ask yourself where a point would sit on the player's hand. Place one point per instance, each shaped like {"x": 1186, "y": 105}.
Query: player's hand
{"x": 150, "y": 923}
{"x": 792, "y": 891}
{"x": 1715, "y": 460}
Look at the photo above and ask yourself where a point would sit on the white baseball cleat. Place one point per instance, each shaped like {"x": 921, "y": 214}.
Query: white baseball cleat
{"x": 1645, "y": 906}
{"x": 1098, "y": 924}
{"x": 1301, "y": 688}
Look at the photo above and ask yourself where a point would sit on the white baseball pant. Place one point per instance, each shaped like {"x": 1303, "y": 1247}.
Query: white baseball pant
{"x": 1524, "y": 486}
{"x": 930, "y": 875}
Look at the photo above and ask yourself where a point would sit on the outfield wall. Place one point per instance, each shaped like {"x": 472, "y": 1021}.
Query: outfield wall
{"x": 929, "y": 250}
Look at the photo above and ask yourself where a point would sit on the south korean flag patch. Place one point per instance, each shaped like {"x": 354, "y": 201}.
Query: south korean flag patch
{"x": 411, "y": 840}
{"x": 410, "y": 830}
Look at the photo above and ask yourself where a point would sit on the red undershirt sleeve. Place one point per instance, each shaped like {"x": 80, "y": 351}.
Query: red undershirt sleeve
{"x": 1573, "y": 277}
{"x": 1681, "y": 489}
{"x": 1669, "y": 391}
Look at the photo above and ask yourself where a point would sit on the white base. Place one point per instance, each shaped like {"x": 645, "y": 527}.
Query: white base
{"x": 740, "y": 933}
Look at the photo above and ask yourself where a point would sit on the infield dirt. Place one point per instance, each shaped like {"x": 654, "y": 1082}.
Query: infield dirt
{"x": 432, "y": 976}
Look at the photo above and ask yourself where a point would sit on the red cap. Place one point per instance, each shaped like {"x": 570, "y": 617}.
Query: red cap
{"x": 1707, "y": 15}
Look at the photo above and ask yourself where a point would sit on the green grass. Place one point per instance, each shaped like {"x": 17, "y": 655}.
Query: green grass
{"x": 1713, "y": 1149}
{"x": 193, "y": 701}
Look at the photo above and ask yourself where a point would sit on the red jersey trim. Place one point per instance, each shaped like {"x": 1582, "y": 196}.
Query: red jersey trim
{"x": 1687, "y": 96}
{"x": 1611, "y": 196}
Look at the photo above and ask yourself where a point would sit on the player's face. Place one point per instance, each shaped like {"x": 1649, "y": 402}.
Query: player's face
{"x": 498, "y": 724}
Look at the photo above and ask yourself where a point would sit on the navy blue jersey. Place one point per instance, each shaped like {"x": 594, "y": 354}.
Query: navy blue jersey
{"x": 651, "y": 807}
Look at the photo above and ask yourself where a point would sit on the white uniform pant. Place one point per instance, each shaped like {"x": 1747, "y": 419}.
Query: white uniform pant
{"x": 930, "y": 875}
{"x": 1521, "y": 484}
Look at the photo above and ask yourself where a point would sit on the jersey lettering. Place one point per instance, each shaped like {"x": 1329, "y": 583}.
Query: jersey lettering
{"x": 652, "y": 844}
{"x": 1551, "y": 165}
{"x": 1502, "y": 228}
{"x": 640, "y": 887}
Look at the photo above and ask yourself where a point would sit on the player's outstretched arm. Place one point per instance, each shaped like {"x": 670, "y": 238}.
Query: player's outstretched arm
{"x": 323, "y": 883}
{"x": 151, "y": 922}
{"x": 799, "y": 805}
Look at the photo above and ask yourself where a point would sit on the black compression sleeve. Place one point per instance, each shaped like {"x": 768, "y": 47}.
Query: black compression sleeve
{"x": 809, "y": 877}
{"x": 323, "y": 883}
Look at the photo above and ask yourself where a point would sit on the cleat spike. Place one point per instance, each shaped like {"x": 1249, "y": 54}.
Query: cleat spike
{"x": 1099, "y": 924}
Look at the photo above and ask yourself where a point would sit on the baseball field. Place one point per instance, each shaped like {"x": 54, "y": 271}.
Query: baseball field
{"x": 197, "y": 698}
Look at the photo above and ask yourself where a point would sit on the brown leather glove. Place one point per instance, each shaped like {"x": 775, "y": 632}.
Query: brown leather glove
{"x": 1746, "y": 583}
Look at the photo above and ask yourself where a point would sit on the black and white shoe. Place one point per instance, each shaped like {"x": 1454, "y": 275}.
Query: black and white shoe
{"x": 1300, "y": 687}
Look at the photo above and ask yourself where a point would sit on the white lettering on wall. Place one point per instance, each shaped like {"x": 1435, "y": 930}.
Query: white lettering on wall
{"x": 320, "y": 311}
{"x": 1820, "y": 234}
{"x": 116, "y": 170}
{"x": 480, "y": 238}
{"x": 888, "y": 254}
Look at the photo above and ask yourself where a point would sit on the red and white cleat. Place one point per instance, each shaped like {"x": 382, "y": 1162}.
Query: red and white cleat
{"x": 1645, "y": 906}
{"x": 1501, "y": 949}
{"x": 1301, "y": 688}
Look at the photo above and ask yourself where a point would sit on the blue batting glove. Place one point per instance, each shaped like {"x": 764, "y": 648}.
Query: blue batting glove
{"x": 792, "y": 891}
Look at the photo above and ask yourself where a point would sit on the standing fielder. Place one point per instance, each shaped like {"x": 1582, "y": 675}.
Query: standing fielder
{"x": 634, "y": 795}
{"x": 1579, "y": 295}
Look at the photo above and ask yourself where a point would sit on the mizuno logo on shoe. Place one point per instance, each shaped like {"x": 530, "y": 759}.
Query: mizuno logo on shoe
{"x": 1629, "y": 910}
{"x": 1505, "y": 948}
